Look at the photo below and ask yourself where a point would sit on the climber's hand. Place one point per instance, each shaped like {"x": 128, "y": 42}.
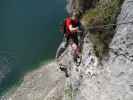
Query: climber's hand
{"x": 79, "y": 31}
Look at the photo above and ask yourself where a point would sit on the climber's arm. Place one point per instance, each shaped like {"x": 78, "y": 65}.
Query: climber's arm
{"x": 73, "y": 29}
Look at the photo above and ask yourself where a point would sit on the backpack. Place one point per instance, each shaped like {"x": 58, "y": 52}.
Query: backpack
{"x": 63, "y": 27}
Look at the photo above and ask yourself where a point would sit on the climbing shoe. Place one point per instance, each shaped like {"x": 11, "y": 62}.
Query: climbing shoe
{"x": 64, "y": 70}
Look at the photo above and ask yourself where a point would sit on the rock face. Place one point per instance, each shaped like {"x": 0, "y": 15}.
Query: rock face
{"x": 109, "y": 79}
{"x": 46, "y": 83}
{"x": 79, "y": 5}
{"x": 120, "y": 60}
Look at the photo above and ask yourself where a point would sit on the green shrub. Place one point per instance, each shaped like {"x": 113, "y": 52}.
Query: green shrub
{"x": 105, "y": 12}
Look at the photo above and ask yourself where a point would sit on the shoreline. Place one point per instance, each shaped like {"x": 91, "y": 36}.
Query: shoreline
{"x": 45, "y": 82}
{"x": 18, "y": 83}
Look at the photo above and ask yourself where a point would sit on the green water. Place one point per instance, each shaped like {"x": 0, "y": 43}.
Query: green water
{"x": 28, "y": 35}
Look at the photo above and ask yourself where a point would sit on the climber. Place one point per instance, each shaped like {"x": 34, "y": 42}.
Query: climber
{"x": 72, "y": 25}
{"x": 72, "y": 33}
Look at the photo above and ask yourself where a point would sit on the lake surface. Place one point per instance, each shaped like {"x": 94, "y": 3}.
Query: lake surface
{"x": 29, "y": 34}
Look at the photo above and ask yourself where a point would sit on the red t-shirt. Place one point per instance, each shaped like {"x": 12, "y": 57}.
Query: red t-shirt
{"x": 69, "y": 22}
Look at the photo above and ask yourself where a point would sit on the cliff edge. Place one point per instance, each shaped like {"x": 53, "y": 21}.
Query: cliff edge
{"x": 106, "y": 69}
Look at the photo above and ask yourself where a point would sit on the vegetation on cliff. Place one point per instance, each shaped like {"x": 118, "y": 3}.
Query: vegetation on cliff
{"x": 103, "y": 13}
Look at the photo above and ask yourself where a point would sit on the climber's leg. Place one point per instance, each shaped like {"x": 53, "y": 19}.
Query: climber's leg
{"x": 66, "y": 39}
{"x": 75, "y": 38}
{"x": 63, "y": 46}
{"x": 76, "y": 54}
